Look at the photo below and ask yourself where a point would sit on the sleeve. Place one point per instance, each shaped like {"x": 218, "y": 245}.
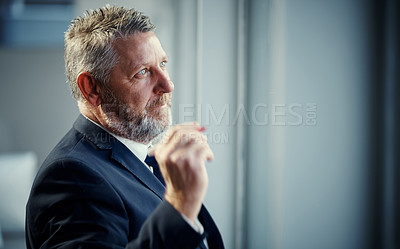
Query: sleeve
{"x": 72, "y": 206}
{"x": 166, "y": 229}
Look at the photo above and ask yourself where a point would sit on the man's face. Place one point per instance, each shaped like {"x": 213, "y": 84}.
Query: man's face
{"x": 138, "y": 104}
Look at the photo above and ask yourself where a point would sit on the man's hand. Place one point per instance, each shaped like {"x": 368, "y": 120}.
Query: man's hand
{"x": 181, "y": 155}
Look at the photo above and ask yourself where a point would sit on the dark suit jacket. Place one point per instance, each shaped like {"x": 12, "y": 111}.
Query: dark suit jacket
{"x": 92, "y": 192}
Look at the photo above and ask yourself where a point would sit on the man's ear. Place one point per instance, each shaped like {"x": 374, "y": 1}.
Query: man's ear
{"x": 89, "y": 88}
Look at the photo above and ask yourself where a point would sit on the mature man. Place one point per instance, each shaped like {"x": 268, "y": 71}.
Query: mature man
{"x": 98, "y": 188}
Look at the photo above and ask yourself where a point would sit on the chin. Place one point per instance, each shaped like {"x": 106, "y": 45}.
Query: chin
{"x": 163, "y": 117}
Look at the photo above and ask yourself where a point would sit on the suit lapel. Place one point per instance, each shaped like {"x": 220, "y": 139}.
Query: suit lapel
{"x": 214, "y": 238}
{"x": 120, "y": 153}
{"x": 127, "y": 159}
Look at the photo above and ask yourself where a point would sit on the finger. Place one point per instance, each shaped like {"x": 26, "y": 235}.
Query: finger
{"x": 183, "y": 138}
{"x": 150, "y": 152}
{"x": 181, "y": 127}
{"x": 171, "y": 133}
{"x": 208, "y": 154}
{"x": 200, "y": 152}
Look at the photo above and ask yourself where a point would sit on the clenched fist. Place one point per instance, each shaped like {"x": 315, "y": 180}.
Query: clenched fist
{"x": 181, "y": 155}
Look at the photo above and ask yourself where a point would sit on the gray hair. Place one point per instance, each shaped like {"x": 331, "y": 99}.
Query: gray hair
{"x": 89, "y": 42}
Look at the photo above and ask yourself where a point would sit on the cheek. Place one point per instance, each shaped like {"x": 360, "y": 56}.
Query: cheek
{"x": 136, "y": 96}
{"x": 138, "y": 101}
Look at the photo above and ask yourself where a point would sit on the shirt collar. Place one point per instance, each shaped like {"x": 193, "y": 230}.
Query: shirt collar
{"x": 139, "y": 149}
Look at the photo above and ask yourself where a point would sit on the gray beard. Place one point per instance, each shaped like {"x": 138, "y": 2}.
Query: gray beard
{"x": 124, "y": 122}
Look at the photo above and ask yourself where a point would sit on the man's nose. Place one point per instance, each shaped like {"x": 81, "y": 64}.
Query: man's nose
{"x": 164, "y": 84}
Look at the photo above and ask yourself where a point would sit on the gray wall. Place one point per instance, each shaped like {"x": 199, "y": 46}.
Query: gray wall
{"x": 308, "y": 184}
{"x": 35, "y": 104}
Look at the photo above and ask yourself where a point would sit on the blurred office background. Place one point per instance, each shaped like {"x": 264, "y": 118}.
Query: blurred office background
{"x": 300, "y": 99}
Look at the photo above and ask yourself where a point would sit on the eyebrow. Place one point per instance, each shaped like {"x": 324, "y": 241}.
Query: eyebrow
{"x": 165, "y": 57}
{"x": 142, "y": 64}
{"x": 145, "y": 64}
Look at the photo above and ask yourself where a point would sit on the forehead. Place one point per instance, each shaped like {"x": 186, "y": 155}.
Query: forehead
{"x": 139, "y": 48}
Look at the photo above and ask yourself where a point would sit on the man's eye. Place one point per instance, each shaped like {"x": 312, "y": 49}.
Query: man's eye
{"x": 142, "y": 72}
{"x": 163, "y": 64}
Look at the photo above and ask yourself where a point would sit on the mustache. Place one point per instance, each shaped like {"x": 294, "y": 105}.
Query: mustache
{"x": 164, "y": 99}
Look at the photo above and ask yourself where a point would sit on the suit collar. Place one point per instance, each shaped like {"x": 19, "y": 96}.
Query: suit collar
{"x": 98, "y": 136}
{"x": 125, "y": 157}
{"x": 120, "y": 153}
